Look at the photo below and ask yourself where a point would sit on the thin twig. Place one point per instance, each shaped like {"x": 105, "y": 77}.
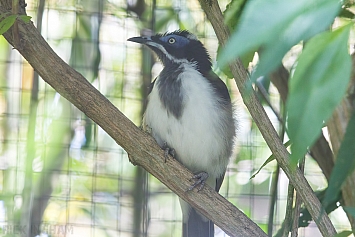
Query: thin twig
{"x": 264, "y": 93}
{"x": 296, "y": 212}
{"x": 289, "y": 206}
{"x": 276, "y": 177}
{"x": 273, "y": 198}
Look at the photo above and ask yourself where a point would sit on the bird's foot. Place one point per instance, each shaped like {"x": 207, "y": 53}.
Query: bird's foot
{"x": 200, "y": 180}
{"x": 168, "y": 151}
{"x": 146, "y": 128}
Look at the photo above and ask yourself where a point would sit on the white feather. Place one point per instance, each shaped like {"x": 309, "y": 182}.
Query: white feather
{"x": 197, "y": 136}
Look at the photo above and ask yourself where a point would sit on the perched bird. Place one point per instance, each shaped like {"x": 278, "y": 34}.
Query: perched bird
{"x": 189, "y": 111}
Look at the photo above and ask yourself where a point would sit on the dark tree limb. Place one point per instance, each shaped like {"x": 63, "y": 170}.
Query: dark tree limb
{"x": 265, "y": 126}
{"x": 142, "y": 148}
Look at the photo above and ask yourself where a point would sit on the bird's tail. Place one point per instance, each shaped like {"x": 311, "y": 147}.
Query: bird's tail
{"x": 197, "y": 226}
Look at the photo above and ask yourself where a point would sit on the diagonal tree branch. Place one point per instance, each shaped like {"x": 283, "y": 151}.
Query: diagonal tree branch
{"x": 141, "y": 147}
{"x": 214, "y": 14}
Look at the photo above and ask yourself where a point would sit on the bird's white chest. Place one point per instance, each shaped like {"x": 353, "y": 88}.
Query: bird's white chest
{"x": 196, "y": 135}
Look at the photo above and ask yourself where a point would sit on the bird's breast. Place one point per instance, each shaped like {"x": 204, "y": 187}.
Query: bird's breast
{"x": 198, "y": 133}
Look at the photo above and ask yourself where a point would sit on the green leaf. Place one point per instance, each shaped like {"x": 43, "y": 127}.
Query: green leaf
{"x": 25, "y": 18}
{"x": 3, "y": 15}
{"x": 7, "y": 23}
{"x": 246, "y": 59}
{"x": 344, "y": 233}
{"x": 233, "y": 12}
{"x": 316, "y": 87}
{"x": 282, "y": 25}
{"x": 271, "y": 158}
{"x": 344, "y": 164}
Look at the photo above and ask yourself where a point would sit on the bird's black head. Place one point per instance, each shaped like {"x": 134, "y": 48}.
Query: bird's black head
{"x": 178, "y": 47}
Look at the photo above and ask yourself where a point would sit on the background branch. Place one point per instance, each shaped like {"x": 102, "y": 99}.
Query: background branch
{"x": 214, "y": 14}
{"x": 141, "y": 147}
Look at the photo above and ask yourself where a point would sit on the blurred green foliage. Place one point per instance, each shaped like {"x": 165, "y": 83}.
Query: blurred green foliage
{"x": 323, "y": 65}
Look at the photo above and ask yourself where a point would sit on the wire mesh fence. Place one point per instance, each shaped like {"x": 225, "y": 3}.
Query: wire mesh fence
{"x": 62, "y": 175}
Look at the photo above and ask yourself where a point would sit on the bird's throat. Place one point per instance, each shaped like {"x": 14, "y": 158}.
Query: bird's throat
{"x": 170, "y": 91}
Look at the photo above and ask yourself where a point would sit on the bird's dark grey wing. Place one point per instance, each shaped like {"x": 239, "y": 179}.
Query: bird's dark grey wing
{"x": 145, "y": 126}
{"x": 221, "y": 91}
{"x": 150, "y": 88}
{"x": 219, "y": 86}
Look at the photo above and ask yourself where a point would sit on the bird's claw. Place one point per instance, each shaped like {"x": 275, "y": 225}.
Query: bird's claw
{"x": 168, "y": 151}
{"x": 200, "y": 180}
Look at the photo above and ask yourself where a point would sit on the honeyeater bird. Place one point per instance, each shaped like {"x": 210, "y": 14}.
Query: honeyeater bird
{"x": 189, "y": 111}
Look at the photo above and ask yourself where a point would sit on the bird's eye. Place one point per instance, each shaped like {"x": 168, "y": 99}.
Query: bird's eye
{"x": 171, "y": 40}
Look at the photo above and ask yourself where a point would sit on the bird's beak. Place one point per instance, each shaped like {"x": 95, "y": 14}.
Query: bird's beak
{"x": 140, "y": 40}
